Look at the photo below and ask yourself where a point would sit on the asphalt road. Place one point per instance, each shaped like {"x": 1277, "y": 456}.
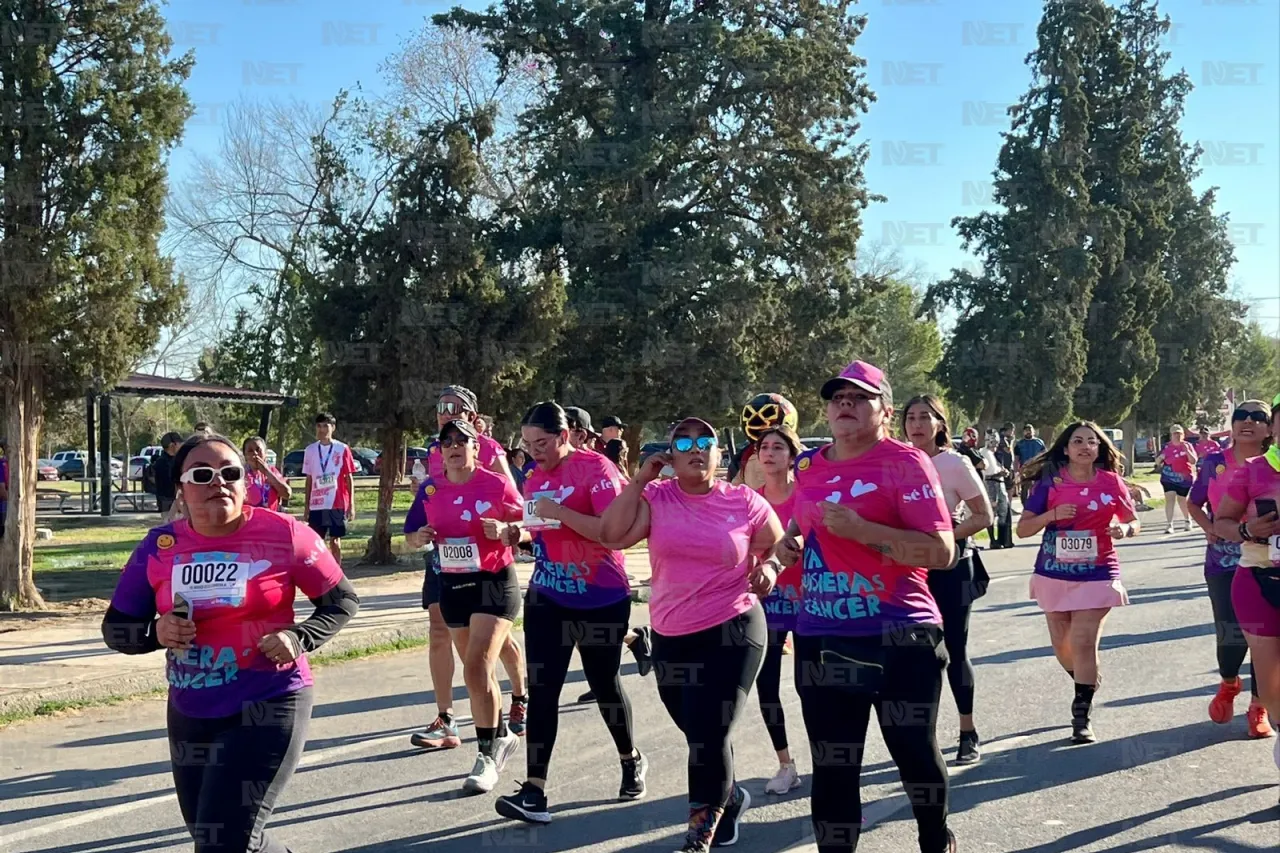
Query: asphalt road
{"x": 1162, "y": 776}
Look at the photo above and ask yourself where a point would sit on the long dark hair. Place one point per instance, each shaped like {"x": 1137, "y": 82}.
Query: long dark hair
{"x": 1054, "y": 459}
{"x": 943, "y": 436}
{"x": 547, "y": 416}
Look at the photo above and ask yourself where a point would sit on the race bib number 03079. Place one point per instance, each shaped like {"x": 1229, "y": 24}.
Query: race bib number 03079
{"x": 1077, "y": 548}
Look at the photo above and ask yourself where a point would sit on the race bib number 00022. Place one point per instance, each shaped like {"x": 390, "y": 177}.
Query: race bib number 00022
{"x": 215, "y": 579}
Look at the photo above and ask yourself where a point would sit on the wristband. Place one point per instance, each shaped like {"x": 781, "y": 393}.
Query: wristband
{"x": 1244, "y": 533}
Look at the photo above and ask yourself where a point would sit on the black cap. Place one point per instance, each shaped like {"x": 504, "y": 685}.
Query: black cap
{"x": 612, "y": 421}
{"x": 467, "y": 397}
{"x": 578, "y": 418}
{"x": 459, "y": 425}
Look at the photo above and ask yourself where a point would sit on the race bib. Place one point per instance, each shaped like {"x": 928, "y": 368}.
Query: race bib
{"x": 324, "y": 489}
{"x": 1076, "y": 547}
{"x": 534, "y": 522}
{"x": 213, "y": 578}
{"x": 1273, "y": 549}
{"x": 459, "y": 555}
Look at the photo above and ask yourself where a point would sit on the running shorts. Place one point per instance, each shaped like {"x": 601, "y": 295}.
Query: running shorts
{"x": 490, "y": 593}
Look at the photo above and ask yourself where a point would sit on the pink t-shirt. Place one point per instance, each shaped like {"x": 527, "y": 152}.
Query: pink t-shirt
{"x": 1253, "y": 480}
{"x": 782, "y": 604}
{"x": 258, "y": 491}
{"x": 1204, "y": 447}
{"x": 326, "y": 465}
{"x": 849, "y": 588}
{"x": 488, "y": 452}
{"x": 241, "y": 589}
{"x": 457, "y": 511}
{"x": 1098, "y": 502}
{"x": 699, "y": 547}
{"x": 569, "y": 569}
{"x": 1178, "y": 462}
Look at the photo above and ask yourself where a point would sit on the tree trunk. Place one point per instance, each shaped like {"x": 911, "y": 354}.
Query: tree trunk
{"x": 379, "y": 550}
{"x": 23, "y": 419}
{"x": 631, "y": 437}
{"x": 987, "y": 417}
{"x": 1129, "y": 429}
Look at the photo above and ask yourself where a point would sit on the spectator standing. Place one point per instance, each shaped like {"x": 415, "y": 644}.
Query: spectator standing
{"x": 1027, "y": 448}
{"x": 163, "y": 476}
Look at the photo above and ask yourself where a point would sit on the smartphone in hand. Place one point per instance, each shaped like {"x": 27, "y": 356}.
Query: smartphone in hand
{"x": 1264, "y": 507}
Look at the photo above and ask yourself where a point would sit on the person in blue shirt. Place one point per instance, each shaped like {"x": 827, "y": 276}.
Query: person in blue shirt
{"x": 1027, "y": 448}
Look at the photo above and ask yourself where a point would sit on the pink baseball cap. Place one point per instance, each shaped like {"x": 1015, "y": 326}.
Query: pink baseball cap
{"x": 868, "y": 377}
{"x": 699, "y": 421}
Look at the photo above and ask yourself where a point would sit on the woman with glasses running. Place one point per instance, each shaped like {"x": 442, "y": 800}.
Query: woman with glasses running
{"x": 1247, "y": 513}
{"x": 1250, "y": 438}
{"x": 470, "y": 515}
{"x": 711, "y": 546}
{"x": 870, "y": 522}
{"x": 216, "y": 590}
{"x": 1081, "y": 503}
{"x": 924, "y": 422}
{"x": 579, "y": 597}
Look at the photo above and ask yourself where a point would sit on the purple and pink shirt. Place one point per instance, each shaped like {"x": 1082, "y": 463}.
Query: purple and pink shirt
{"x": 1080, "y": 548}
{"x": 1253, "y": 480}
{"x": 570, "y": 569}
{"x": 241, "y": 588}
{"x": 700, "y": 550}
{"x": 849, "y": 588}
{"x": 1179, "y": 462}
{"x": 1211, "y": 484}
{"x": 782, "y": 604}
{"x": 456, "y": 511}
{"x": 258, "y": 491}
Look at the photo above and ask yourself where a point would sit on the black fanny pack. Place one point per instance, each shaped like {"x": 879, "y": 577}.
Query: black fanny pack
{"x": 856, "y": 665}
{"x": 1269, "y": 582}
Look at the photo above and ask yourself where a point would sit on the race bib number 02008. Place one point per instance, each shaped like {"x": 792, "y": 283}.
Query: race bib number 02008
{"x": 459, "y": 555}
{"x": 531, "y": 520}
{"x": 212, "y": 578}
{"x": 1077, "y": 548}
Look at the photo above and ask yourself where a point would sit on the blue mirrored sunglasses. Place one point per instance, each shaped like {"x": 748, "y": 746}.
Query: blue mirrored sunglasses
{"x": 684, "y": 444}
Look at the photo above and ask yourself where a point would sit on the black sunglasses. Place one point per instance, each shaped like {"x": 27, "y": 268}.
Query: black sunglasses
{"x": 456, "y": 440}
{"x": 1250, "y": 415}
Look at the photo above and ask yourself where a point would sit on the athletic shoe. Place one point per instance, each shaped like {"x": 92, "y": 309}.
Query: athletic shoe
{"x": 701, "y": 830}
{"x": 1259, "y": 723}
{"x": 484, "y": 776}
{"x": 1188, "y": 523}
{"x": 1222, "y": 707}
{"x": 516, "y": 719}
{"x": 1081, "y": 731}
{"x": 438, "y": 735}
{"x": 1168, "y": 530}
{"x": 969, "y": 751}
{"x": 504, "y": 748}
{"x": 785, "y": 780}
{"x": 633, "y": 772}
{"x": 726, "y": 834}
{"x": 529, "y": 805}
{"x": 642, "y": 649}
{"x": 587, "y": 697}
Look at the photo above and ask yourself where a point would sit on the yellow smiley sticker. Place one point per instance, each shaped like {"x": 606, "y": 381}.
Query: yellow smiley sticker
{"x": 1057, "y": 481}
{"x": 1221, "y": 469}
{"x": 164, "y": 540}
{"x": 805, "y": 463}
{"x": 430, "y": 490}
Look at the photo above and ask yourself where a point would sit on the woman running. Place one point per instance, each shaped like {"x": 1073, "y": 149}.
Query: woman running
{"x": 1081, "y": 503}
{"x": 457, "y": 403}
{"x": 924, "y": 422}
{"x": 1247, "y": 514}
{"x": 711, "y": 545}
{"x": 223, "y": 582}
{"x": 873, "y": 521}
{"x": 265, "y": 486}
{"x": 470, "y": 514}
{"x": 777, "y": 448}
{"x": 579, "y": 596}
{"x": 1250, "y": 436}
{"x": 1177, "y": 462}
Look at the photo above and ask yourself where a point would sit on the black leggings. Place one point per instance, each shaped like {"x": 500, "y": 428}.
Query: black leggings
{"x": 836, "y": 721}
{"x": 1232, "y": 646}
{"x": 551, "y": 632}
{"x": 768, "y": 692}
{"x": 703, "y": 680}
{"x": 953, "y": 590}
{"x": 229, "y": 771}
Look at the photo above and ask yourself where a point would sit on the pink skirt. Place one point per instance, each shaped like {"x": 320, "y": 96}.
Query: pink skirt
{"x": 1059, "y": 596}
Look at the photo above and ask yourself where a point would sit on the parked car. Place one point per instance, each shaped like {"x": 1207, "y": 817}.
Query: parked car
{"x": 816, "y": 441}
{"x": 46, "y": 469}
{"x": 292, "y": 466}
{"x": 63, "y": 455}
{"x": 74, "y": 468}
{"x": 366, "y": 460}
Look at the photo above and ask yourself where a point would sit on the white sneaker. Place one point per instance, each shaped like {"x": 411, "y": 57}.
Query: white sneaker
{"x": 504, "y": 749}
{"x": 1188, "y": 522}
{"x": 484, "y": 776}
{"x": 786, "y": 779}
{"x": 1168, "y": 530}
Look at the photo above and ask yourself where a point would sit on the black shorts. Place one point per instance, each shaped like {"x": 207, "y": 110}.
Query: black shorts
{"x": 465, "y": 594}
{"x": 1179, "y": 489}
{"x": 430, "y": 584}
{"x": 328, "y": 522}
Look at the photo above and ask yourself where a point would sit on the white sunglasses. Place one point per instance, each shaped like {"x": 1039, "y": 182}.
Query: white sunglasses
{"x": 202, "y": 475}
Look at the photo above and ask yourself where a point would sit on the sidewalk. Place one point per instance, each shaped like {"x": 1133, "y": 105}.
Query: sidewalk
{"x": 70, "y": 662}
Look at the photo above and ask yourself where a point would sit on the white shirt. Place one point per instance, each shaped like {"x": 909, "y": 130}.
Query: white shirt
{"x": 992, "y": 467}
{"x": 324, "y": 469}
{"x": 959, "y": 480}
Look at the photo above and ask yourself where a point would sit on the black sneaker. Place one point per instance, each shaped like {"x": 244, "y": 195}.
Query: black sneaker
{"x": 1081, "y": 731}
{"x": 727, "y": 830}
{"x": 642, "y": 649}
{"x": 529, "y": 805}
{"x": 969, "y": 751}
{"x": 633, "y": 772}
{"x": 587, "y": 697}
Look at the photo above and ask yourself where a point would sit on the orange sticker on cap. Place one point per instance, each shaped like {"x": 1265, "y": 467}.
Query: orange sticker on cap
{"x": 164, "y": 540}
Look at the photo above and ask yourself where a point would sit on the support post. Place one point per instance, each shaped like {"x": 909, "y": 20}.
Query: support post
{"x": 104, "y": 452}
{"x": 264, "y": 423}
{"x": 90, "y": 464}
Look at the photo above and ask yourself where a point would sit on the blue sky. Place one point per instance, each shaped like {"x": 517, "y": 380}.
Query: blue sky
{"x": 941, "y": 69}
